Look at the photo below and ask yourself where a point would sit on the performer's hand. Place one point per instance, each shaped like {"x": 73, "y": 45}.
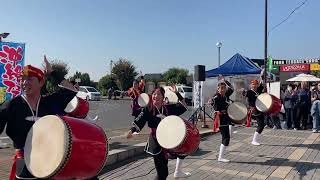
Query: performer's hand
{"x": 210, "y": 101}
{"x": 129, "y": 134}
{"x": 76, "y": 86}
{"x": 173, "y": 88}
{"x": 48, "y": 67}
{"x": 220, "y": 78}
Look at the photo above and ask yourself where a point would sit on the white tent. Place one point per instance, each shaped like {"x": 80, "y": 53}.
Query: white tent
{"x": 304, "y": 77}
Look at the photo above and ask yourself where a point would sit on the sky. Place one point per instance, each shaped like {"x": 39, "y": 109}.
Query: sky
{"x": 156, "y": 35}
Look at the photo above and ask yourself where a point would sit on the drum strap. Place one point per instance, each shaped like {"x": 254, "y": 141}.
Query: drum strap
{"x": 19, "y": 155}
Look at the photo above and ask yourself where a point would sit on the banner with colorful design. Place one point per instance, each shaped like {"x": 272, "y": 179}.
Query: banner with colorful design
{"x": 11, "y": 64}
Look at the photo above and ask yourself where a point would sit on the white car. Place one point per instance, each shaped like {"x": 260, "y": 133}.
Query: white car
{"x": 89, "y": 93}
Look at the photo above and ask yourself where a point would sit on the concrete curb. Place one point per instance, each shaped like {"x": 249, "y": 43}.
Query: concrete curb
{"x": 118, "y": 155}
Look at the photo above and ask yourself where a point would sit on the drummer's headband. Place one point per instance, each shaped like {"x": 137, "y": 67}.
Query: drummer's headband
{"x": 32, "y": 71}
{"x": 255, "y": 82}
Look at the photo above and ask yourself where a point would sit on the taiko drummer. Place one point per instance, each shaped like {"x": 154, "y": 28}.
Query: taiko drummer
{"x": 220, "y": 102}
{"x": 20, "y": 113}
{"x": 153, "y": 114}
{"x": 256, "y": 88}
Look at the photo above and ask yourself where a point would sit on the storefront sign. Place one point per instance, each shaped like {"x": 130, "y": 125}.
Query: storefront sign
{"x": 295, "y": 68}
{"x": 314, "y": 67}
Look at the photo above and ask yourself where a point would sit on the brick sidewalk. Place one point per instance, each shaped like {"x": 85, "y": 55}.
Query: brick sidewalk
{"x": 284, "y": 154}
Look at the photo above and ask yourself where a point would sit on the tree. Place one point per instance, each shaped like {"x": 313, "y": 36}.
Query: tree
{"x": 107, "y": 82}
{"x": 62, "y": 69}
{"x": 176, "y": 76}
{"x": 84, "y": 79}
{"x": 315, "y": 73}
{"x": 124, "y": 72}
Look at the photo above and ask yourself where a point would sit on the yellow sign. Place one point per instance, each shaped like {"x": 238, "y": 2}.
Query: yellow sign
{"x": 2, "y": 94}
{"x": 314, "y": 67}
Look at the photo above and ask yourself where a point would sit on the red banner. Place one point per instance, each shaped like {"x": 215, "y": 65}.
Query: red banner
{"x": 295, "y": 67}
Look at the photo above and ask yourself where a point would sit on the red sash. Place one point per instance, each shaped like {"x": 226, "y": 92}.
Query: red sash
{"x": 216, "y": 122}
{"x": 19, "y": 155}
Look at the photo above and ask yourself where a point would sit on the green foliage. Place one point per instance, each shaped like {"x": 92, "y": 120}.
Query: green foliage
{"x": 60, "y": 68}
{"x": 84, "y": 79}
{"x": 315, "y": 73}
{"x": 176, "y": 76}
{"x": 124, "y": 72}
{"x": 107, "y": 82}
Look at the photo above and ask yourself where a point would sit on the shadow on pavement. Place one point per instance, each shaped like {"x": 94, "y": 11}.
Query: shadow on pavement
{"x": 301, "y": 167}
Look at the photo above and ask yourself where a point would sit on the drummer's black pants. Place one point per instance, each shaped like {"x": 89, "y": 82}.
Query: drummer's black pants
{"x": 224, "y": 129}
{"x": 260, "y": 122}
{"x": 161, "y": 164}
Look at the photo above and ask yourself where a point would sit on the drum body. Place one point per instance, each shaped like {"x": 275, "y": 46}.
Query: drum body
{"x": 178, "y": 135}
{"x": 268, "y": 103}
{"x": 77, "y": 107}
{"x": 65, "y": 148}
{"x": 237, "y": 112}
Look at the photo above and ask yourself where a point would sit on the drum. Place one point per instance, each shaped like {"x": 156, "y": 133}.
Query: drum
{"x": 268, "y": 103}
{"x": 178, "y": 135}
{"x": 143, "y": 100}
{"x": 237, "y": 112}
{"x": 65, "y": 148}
{"x": 77, "y": 107}
{"x": 170, "y": 97}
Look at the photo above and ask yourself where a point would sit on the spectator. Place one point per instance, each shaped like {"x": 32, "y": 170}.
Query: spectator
{"x": 288, "y": 105}
{"x": 303, "y": 104}
{"x": 315, "y": 99}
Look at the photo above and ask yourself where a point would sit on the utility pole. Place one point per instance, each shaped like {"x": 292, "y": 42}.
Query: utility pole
{"x": 265, "y": 44}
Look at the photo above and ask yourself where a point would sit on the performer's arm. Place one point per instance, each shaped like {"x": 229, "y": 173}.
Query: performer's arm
{"x": 230, "y": 89}
{"x": 130, "y": 92}
{"x": 65, "y": 94}
{"x": 141, "y": 84}
{"x": 215, "y": 103}
{"x": 140, "y": 121}
{"x": 260, "y": 88}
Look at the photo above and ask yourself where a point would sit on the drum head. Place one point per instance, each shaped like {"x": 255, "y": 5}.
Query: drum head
{"x": 46, "y": 146}
{"x": 237, "y": 111}
{"x": 171, "y": 97}
{"x": 143, "y": 100}
{"x": 263, "y": 102}
{"x": 171, "y": 132}
{"x": 72, "y": 105}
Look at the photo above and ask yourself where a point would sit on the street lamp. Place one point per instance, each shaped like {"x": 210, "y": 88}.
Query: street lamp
{"x": 3, "y": 35}
{"x": 219, "y": 45}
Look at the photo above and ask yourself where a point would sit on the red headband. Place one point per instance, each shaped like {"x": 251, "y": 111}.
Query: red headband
{"x": 32, "y": 71}
{"x": 254, "y": 82}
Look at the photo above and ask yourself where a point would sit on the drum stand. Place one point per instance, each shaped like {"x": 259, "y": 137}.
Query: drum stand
{"x": 194, "y": 117}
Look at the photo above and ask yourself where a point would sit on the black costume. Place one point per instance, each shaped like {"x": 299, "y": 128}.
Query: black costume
{"x": 220, "y": 103}
{"x": 153, "y": 116}
{"x": 259, "y": 116}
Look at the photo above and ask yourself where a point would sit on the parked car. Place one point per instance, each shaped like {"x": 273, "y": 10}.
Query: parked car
{"x": 88, "y": 93}
{"x": 185, "y": 91}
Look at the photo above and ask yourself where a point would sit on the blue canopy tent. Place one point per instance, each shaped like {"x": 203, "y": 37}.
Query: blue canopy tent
{"x": 237, "y": 65}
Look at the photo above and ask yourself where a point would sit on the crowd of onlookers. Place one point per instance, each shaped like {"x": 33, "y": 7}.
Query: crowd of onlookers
{"x": 301, "y": 111}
